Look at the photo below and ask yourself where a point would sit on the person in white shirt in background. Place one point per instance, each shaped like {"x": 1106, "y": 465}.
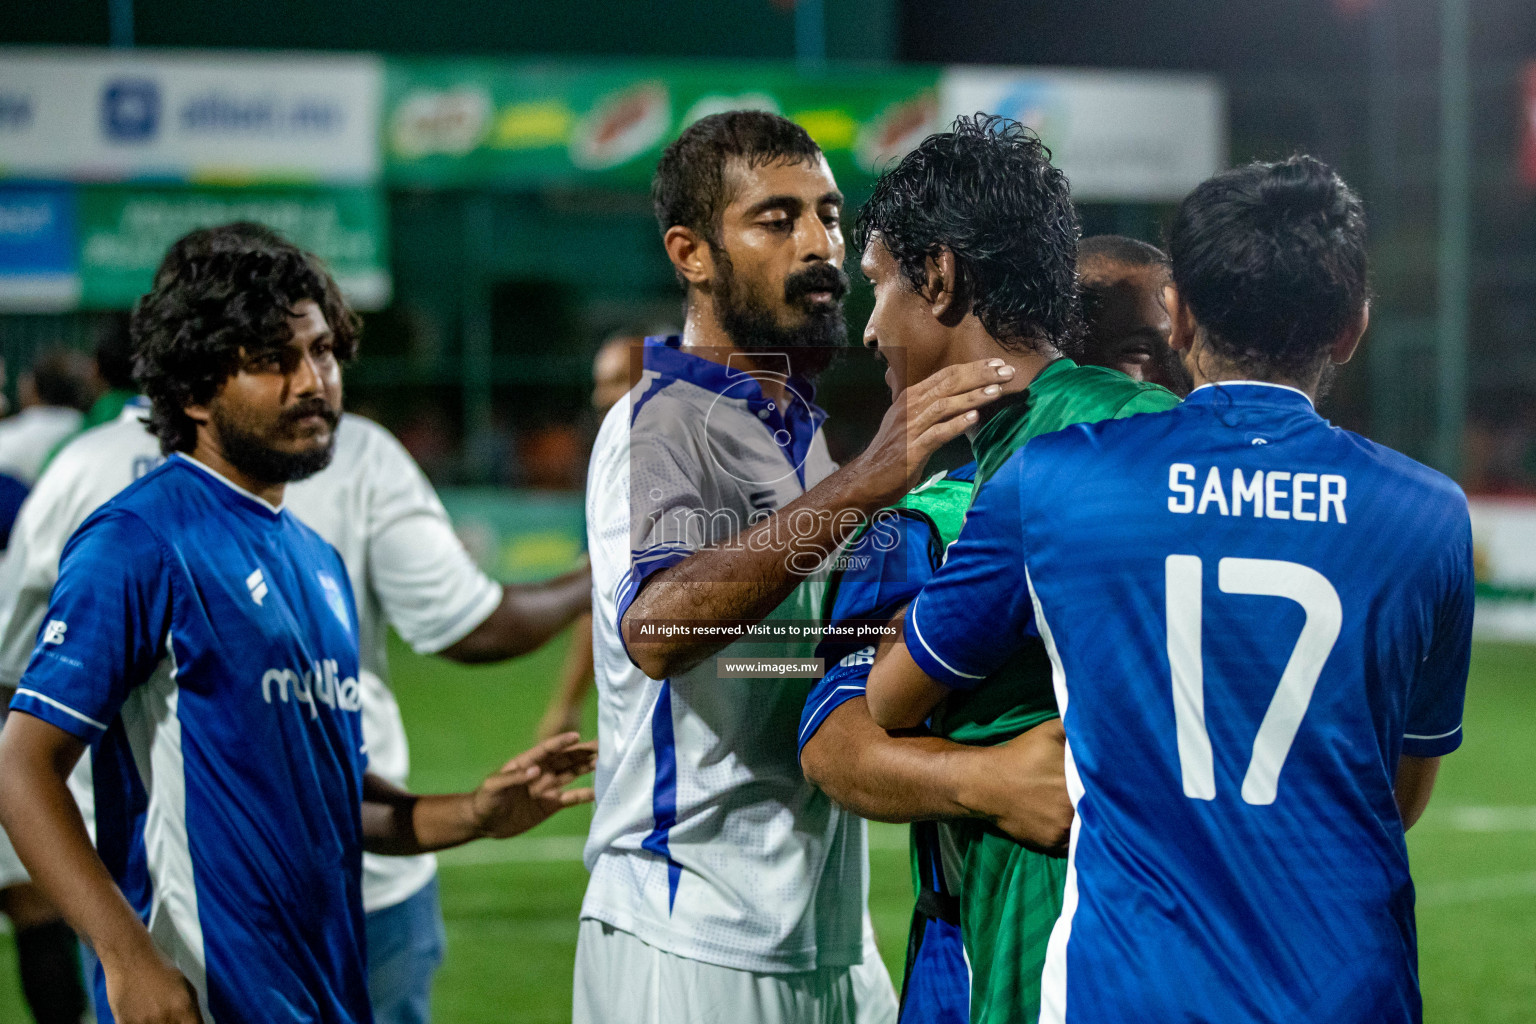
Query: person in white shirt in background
{"x": 408, "y": 570}
{"x": 52, "y": 397}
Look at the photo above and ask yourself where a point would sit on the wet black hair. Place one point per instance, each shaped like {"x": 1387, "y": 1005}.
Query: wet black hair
{"x": 1271, "y": 260}
{"x": 691, "y": 187}
{"x": 222, "y": 293}
{"x": 988, "y": 193}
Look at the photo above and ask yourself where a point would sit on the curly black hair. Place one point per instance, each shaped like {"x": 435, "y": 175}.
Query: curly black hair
{"x": 220, "y": 294}
{"x": 987, "y": 192}
{"x": 1271, "y": 259}
{"x": 691, "y": 188}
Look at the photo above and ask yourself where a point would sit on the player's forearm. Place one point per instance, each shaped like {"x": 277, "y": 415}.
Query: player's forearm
{"x": 901, "y": 695}
{"x": 746, "y": 579}
{"x": 527, "y": 618}
{"x": 1413, "y": 786}
{"x": 883, "y": 777}
{"x": 398, "y": 823}
{"x": 45, "y": 827}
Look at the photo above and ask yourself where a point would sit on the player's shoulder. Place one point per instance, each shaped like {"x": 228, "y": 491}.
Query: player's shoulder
{"x": 1405, "y": 476}
{"x": 1114, "y": 389}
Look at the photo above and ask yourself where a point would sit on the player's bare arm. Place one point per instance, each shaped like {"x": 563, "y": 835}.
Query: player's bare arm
{"x": 762, "y": 561}
{"x": 901, "y": 694}
{"x": 44, "y": 823}
{"x": 1020, "y": 786}
{"x": 1415, "y": 781}
{"x": 529, "y": 616}
{"x": 525, "y": 791}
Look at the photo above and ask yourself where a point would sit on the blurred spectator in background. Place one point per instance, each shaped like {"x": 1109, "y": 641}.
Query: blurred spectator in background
{"x": 1122, "y": 281}
{"x": 428, "y": 437}
{"x": 491, "y": 455}
{"x": 611, "y": 370}
{"x": 53, "y": 395}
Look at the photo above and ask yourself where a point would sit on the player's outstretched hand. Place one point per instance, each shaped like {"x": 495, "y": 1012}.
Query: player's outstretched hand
{"x": 151, "y": 991}
{"x": 1021, "y": 787}
{"x": 531, "y": 787}
{"x": 927, "y": 416}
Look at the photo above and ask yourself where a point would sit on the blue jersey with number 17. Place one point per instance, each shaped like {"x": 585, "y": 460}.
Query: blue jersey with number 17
{"x": 1251, "y": 616}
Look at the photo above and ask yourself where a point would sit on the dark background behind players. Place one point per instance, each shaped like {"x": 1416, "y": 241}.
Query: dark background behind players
{"x": 1354, "y": 81}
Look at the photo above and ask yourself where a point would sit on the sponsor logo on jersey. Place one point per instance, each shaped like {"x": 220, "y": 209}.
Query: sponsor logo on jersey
{"x": 335, "y": 598}
{"x": 320, "y": 685}
{"x": 53, "y": 633}
{"x": 257, "y": 585}
{"x": 862, "y": 656}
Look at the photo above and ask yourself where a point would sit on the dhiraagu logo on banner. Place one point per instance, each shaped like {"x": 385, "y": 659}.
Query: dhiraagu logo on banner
{"x": 38, "y": 268}
{"x": 124, "y": 232}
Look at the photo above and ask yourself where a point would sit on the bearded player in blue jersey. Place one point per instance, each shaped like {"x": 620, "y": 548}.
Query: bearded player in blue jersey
{"x": 204, "y": 642}
{"x": 1259, "y": 626}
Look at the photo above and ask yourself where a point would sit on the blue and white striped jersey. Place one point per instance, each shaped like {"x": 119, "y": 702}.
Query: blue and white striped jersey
{"x": 205, "y": 644}
{"x": 1251, "y": 616}
{"x": 706, "y": 840}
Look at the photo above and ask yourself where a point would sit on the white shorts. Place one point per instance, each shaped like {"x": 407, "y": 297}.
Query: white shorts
{"x": 11, "y": 871}
{"x": 621, "y": 980}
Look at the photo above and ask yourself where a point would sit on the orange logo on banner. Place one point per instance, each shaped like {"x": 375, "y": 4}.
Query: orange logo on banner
{"x": 1528, "y": 128}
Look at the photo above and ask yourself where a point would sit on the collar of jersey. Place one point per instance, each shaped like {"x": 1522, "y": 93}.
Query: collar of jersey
{"x": 1249, "y": 390}
{"x": 665, "y": 355}
{"x": 261, "y": 503}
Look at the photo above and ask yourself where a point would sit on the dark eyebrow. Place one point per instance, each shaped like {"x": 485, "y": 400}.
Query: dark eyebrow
{"x": 834, "y": 197}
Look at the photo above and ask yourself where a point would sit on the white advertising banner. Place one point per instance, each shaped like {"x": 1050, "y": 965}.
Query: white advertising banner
{"x": 1504, "y": 551}
{"x": 77, "y": 115}
{"x": 1120, "y": 136}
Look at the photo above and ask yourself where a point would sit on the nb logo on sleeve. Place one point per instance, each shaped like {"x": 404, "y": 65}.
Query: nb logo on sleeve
{"x": 53, "y": 633}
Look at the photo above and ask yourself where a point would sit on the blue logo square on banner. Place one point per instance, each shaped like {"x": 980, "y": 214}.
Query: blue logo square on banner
{"x": 130, "y": 110}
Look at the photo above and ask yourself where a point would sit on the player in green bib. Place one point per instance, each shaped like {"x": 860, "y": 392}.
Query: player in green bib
{"x": 970, "y": 244}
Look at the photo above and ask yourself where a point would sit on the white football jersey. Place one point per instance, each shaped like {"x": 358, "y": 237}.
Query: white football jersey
{"x": 707, "y": 841}
{"x": 372, "y": 504}
{"x": 27, "y": 437}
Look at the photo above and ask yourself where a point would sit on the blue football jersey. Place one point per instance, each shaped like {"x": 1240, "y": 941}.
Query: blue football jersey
{"x": 881, "y": 570}
{"x": 1251, "y": 614}
{"x": 205, "y": 644}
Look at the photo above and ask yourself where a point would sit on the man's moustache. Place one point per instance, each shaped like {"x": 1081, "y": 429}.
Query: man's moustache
{"x": 325, "y": 412}
{"x": 823, "y": 278}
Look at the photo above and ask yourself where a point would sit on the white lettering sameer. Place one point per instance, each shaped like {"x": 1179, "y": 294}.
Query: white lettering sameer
{"x": 1277, "y": 494}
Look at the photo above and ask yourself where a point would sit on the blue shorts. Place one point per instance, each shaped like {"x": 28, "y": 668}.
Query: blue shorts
{"x": 405, "y": 949}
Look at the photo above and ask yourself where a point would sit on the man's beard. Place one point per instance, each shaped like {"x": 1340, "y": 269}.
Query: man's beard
{"x": 750, "y": 323}
{"x": 251, "y": 454}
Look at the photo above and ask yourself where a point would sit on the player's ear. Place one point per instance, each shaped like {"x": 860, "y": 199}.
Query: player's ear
{"x": 690, "y": 254}
{"x": 1181, "y": 320}
{"x": 945, "y": 290}
{"x": 1349, "y": 339}
{"x": 197, "y": 413}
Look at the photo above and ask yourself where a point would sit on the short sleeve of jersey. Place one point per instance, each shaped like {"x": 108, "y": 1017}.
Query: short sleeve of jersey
{"x": 103, "y": 632}
{"x": 959, "y": 627}
{"x": 884, "y": 569}
{"x": 428, "y": 587}
{"x": 1439, "y": 692}
{"x": 664, "y": 512}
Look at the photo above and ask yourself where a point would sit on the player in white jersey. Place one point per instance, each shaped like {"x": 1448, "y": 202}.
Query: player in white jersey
{"x": 408, "y": 570}
{"x": 724, "y": 886}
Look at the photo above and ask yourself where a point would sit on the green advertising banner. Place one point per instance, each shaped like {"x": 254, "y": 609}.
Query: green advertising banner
{"x": 518, "y": 536}
{"x": 125, "y": 230}
{"x": 473, "y": 122}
